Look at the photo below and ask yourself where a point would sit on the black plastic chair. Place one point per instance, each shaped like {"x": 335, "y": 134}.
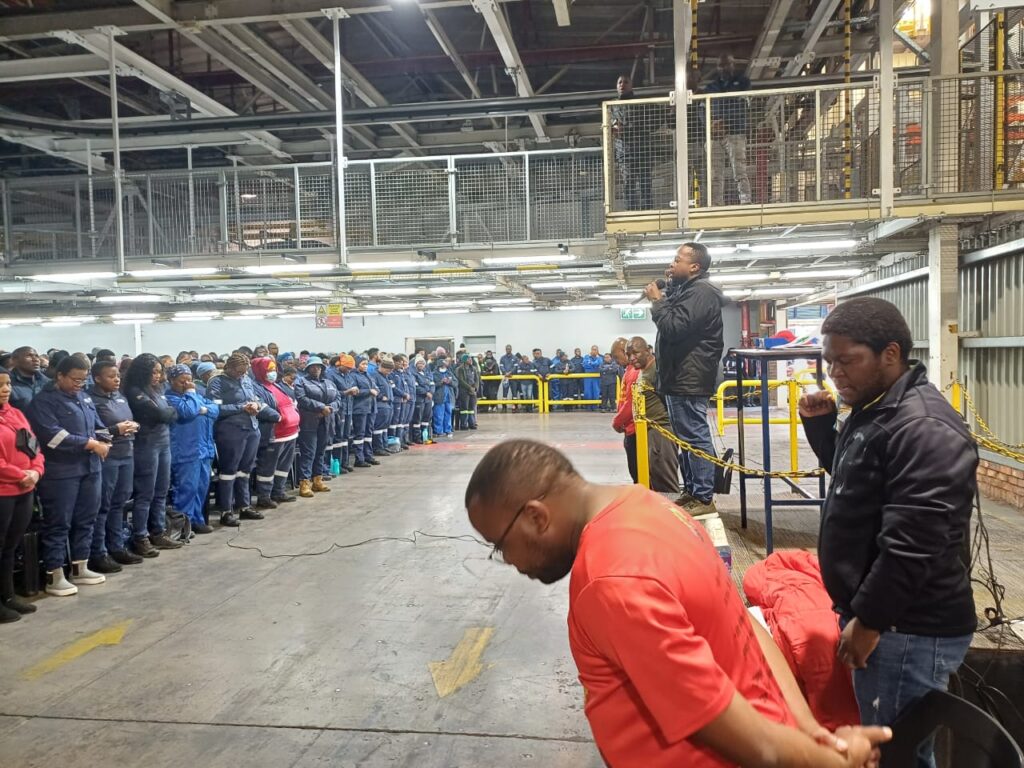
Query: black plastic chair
{"x": 973, "y": 732}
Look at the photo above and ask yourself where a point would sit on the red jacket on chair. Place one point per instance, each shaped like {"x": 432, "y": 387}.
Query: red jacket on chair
{"x": 788, "y": 589}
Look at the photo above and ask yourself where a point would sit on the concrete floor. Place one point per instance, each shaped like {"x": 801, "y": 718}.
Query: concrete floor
{"x": 230, "y": 659}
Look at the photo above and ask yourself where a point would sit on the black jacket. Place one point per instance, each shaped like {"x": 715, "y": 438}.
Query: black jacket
{"x": 113, "y": 408}
{"x": 896, "y": 521}
{"x": 689, "y": 344}
{"x": 151, "y": 409}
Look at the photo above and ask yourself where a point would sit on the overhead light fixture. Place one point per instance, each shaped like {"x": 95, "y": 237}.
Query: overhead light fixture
{"x": 641, "y": 305}
{"x": 226, "y": 296}
{"x": 515, "y": 300}
{"x": 396, "y": 291}
{"x": 73, "y": 277}
{"x": 197, "y": 313}
{"x": 803, "y": 245}
{"x": 393, "y": 305}
{"x": 270, "y": 269}
{"x": 247, "y": 196}
{"x": 455, "y": 289}
{"x": 194, "y": 319}
{"x": 447, "y": 311}
{"x": 406, "y": 313}
{"x": 736, "y": 292}
{"x": 139, "y": 320}
{"x": 133, "y": 316}
{"x": 580, "y": 307}
{"x": 132, "y": 298}
{"x": 821, "y": 274}
{"x": 308, "y": 293}
{"x": 241, "y": 317}
{"x": 446, "y": 303}
{"x": 72, "y": 319}
{"x": 186, "y": 272}
{"x": 564, "y": 285}
{"x": 303, "y": 316}
{"x": 512, "y": 260}
{"x": 20, "y": 320}
{"x": 511, "y": 309}
{"x": 781, "y": 291}
{"x": 60, "y": 325}
{"x": 303, "y": 307}
{"x": 739, "y": 277}
{"x": 267, "y": 311}
{"x": 361, "y": 314}
{"x": 655, "y": 253}
{"x": 360, "y": 266}
{"x": 623, "y": 295}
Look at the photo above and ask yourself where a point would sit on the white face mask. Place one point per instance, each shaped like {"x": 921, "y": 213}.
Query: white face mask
{"x": 271, "y": 376}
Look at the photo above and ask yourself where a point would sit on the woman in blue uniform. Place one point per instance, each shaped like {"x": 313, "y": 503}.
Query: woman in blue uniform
{"x": 144, "y": 389}
{"x": 74, "y": 443}
{"x": 362, "y": 414}
{"x": 318, "y": 401}
{"x": 192, "y": 446}
{"x": 445, "y": 389}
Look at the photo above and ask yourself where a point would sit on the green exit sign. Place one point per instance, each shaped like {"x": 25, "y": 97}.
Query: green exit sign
{"x": 633, "y": 313}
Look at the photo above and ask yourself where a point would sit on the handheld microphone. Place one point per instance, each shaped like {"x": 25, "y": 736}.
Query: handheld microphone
{"x": 643, "y": 294}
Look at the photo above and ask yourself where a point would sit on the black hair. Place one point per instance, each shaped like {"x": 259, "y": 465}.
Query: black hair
{"x": 140, "y": 372}
{"x": 71, "y": 363}
{"x": 5, "y": 360}
{"x": 4, "y": 371}
{"x": 700, "y": 256}
{"x": 536, "y": 349}
{"x": 498, "y": 478}
{"x": 876, "y": 323}
{"x": 58, "y": 357}
{"x": 245, "y": 349}
{"x": 105, "y": 354}
{"x": 288, "y": 370}
{"x": 372, "y": 351}
{"x": 100, "y": 366}
{"x": 21, "y": 351}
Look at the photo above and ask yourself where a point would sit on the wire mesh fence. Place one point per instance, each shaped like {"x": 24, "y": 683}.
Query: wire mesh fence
{"x": 642, "y": 152}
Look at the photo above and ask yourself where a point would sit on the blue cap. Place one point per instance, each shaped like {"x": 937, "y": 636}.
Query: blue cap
{"x": 205, "y": 368}
{"x": 314, "y": 360}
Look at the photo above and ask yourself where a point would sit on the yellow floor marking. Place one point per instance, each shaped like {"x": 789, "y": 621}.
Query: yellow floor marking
{"x": 111, "y": 635}
{"x": 463, "y": 666}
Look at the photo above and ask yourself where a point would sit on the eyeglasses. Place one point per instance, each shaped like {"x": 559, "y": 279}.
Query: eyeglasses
{"x": 496, "y": 549}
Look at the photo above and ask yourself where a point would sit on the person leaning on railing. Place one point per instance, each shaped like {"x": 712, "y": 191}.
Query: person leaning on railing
{"x": 729, "y": 125}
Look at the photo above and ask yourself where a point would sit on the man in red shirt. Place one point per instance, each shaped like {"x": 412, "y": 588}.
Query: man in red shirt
{"x": 674, "y": 671}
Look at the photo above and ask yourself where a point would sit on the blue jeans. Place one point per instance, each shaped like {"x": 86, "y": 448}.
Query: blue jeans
{"x": 902, "y": 669}
{"x": 152, "y": 482}
{"x": 108, "y": 531}
{"x": 689, "y": 417}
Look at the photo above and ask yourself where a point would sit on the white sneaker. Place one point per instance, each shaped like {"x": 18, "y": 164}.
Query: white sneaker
{"x": 80, "y": 574}
{"x": 58, "y": 585}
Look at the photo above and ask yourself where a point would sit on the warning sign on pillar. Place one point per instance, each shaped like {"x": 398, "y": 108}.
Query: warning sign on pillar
{"x": 329, "y": 315}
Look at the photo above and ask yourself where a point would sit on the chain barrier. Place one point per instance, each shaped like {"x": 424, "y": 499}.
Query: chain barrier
{"x": 640, "y": 416}
{"x": 986, "y": 439}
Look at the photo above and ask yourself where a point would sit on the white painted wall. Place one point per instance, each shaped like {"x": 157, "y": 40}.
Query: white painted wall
{"x": 523, "y": 330}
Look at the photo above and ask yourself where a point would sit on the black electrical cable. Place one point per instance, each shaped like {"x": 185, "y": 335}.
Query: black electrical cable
{"x": 412, "y": 539}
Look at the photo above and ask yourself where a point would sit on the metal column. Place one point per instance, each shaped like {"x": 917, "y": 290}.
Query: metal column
{"x": 191, "y": 203}
{"x": 222, "y": 187}
{"x": 847, "y": 101}
{"x": 943, "y": 327}
{"x": 682, "y": 15}
{"x": 8, "y": 240}
{"x": 999, "y": 139}
{"x": 526, "y": 193}
{"x": 336, "y": 15}
{"x": 818, "y": 127}
{"x": 92, "y": 201}
{"x": 150, "y": 232}
{"x": 453, "y": 223}
{"x": 78, "y": 219}
{"x": 298, "y": 206}
{"x": 944, "y": 46}
{"x": 886, "y": 110}
{"x": 119, "y": 259}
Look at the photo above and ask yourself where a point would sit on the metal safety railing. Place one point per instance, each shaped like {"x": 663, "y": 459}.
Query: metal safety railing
{"x": 446, "y": 200}
{"x": 540, "y": 401}
{"x": 566, "y": 402}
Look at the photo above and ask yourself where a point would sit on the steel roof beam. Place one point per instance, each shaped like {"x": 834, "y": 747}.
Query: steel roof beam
{"x": 52, "y": 67}
{"x": 823, "y": 13}
{"x": 561, "y": 12}
{"x": 770, "y": 30}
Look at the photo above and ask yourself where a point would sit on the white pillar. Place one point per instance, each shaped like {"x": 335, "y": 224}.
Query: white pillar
{"x": 681, "y": 26}
{"x": 943, "y": 324}
{"x": 886, "y": 104}
{"x": 336, "y": 15}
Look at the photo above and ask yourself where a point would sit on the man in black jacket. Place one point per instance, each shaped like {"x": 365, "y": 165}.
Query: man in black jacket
{"x": 897, "y": 517}
{"x": 688, "y": 314}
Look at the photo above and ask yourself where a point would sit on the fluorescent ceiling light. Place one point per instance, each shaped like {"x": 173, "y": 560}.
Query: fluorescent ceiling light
{"x": 619, "y": 295}
{"x": 448, "y": 312}
{"x": 270, "y": 269}
{"x": 393, "y": 305}
{"x": 803, "y": 245}
{"x": 197, "y": 313}
{"x": 186, "y": 272}
{"x": 642, "y": 305}
{"x": 528, "y": 259}
{"x": 247, "y": 196}
{"x": 655, "y": 253}
{"x": 60, "y": 325}
{"x": 517, "y": 300}
{"x": 446, "y": 289}
{"x": 406, "y": 313}
{"x": 194, "y": 319}
{"x": 303, "y": 316}
{"x": 386, "y": 291}
{"x": 815, "y": 274}
{"x": 73, "y": 277}
{"x": 240, "y": 317}
{"x": 384, "y": 265}
{"x": 511, "y": 309}
{"x": 139, "y": 320}
{"x": 580, "y": 307}
{"x": 21, "y": 320}
{"x": 361, "y": 314}
{"x": 739, "y": 277}
{"x": 306, "y": 294}
{"x": 269, "y": 311}
{"x": 781, "y": 291}
{"x": 304, "y": 307}
{"x": 132, "y": 298}
{"x": 226, "y": 296}
{"x": 735, "y": 292}
{"x": 564, "y": 285}
{"x": 72, "y": 319}
{"x": 133, "y": 316}
{"x": 447, "y": 303}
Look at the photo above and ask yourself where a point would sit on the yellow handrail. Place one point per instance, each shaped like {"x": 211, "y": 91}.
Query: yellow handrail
{"x": 541, "y": 401}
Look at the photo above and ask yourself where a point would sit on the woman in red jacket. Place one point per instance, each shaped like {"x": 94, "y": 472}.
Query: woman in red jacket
{"x": 21, "y": 466}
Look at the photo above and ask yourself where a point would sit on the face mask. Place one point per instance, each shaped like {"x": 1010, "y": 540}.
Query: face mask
{"x": 271, "y": 376}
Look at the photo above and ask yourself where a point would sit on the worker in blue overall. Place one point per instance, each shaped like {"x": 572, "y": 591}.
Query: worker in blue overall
{"x": 143, "y": 387}
{"x": 362, "y": 414}
{"x": 445, "y": 391}
{"x": 422, "y": 419}
{"x": 237, "y": 436}
{"x": 347, "y": 366}
{"x": 576, "y": 366}
{"x": 528, "y": 367}
{"x": 318, "y": 402}
{"x": 409, "y": 403}
{"x": 269, "y": 458}
{"x": 109, "y": 551}
{"x": 400, "y": 398}
{"x": 385, "y": 401}
{"x": 74, "y": 443}
{"x": 507, "y": 367}
{"x": 468, "y": 380}
{"x": 339, "y": 374}
{"x": 192, "y": 446}
{"x": 610, "y": 374}
{"x": 592, "y": 387}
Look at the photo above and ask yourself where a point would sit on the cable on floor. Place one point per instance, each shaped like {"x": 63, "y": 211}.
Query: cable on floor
{"x": 411, "y": 539}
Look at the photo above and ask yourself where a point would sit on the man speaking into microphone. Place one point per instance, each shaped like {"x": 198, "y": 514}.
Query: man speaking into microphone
{"x": 688, "y": 315}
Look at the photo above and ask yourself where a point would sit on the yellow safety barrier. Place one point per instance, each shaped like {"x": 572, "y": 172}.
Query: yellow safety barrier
{"x": 722, "y": 420}
{"x": 986, "y": 438}
{"x": 551, "y": 376}
{"x": 541, "y": 400}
